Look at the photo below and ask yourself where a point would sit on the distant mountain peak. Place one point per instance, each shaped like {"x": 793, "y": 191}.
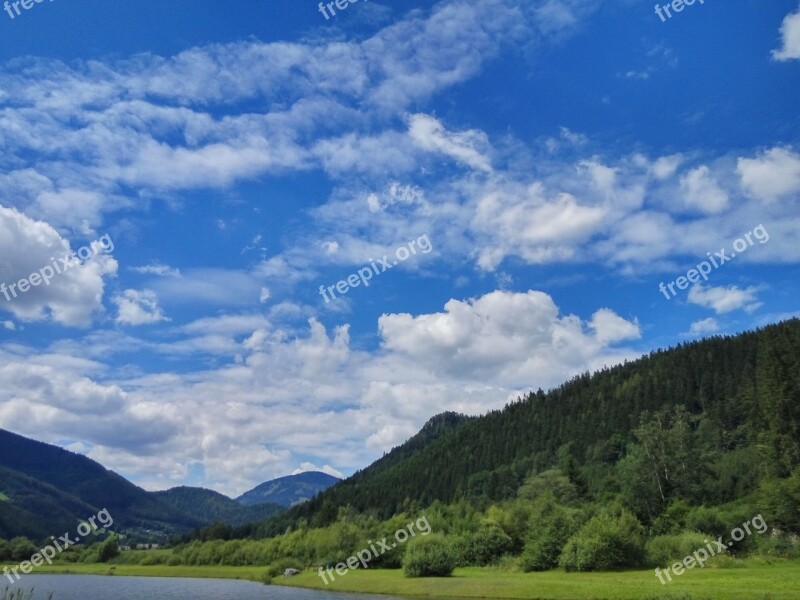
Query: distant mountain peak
{"x": 289, "y": 490}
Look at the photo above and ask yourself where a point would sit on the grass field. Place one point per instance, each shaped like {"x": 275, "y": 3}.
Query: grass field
{"x": 777, "y": 580}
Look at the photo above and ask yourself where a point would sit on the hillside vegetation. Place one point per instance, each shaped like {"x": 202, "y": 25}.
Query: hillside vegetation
{"x": 634, "y": 465}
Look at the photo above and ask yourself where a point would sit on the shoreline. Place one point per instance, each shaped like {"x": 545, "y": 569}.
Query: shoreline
{"x": 750, "y": 580}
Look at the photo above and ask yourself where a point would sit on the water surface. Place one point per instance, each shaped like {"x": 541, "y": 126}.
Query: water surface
{"x": 97, "y": 587}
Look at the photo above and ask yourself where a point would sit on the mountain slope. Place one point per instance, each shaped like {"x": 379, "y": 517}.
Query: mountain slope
{"x": 90, "y": 483}
{"x": 290, "y": 490}
{"x": 35, "y": 509}
{"x": 211, "y": 506}
{"x": 747, "y": 387}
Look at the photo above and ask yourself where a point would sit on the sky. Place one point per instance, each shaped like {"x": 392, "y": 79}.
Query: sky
{"x": 299, "y": 235}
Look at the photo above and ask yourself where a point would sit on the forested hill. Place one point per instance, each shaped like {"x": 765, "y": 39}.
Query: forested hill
{"x": 213, "y": 507}
{"x": 45, "y": 486}
{"x": 740, "y": 399}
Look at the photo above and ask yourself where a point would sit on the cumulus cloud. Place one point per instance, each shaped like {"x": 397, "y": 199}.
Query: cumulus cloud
{"x": 702, "y": 193}
{"x": 724, "y": 299}
{"x": 137, "y": 307}
{"x": 72, "y": 297}
{"x": 772, "y": 175}
{"x": 511, "y": 338}
{"x": 704, "y": 327}
{"x": 790, "y": 36}
{"x": 529, "y": 224}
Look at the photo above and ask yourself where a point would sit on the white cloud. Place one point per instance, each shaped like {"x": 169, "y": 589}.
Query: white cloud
{"x": 72, "y": 297}
{"x": 774, "y": 174}
{"x": 704, "y": 326}
{"x": 724, "y": 299}
{"x": 701, "y": 192}
{"x": 467, "y": 147}
{"x": 665, "y": 166}
{"x": 526, "y": 223}
{"x": 790, "y": 34}
{"x": 307, "y": 466}
{"x": 511, "y": 339}
{"x": 8, "y": 325}
{"x": 265, "y": 295}
{"x": 609, "y": 327}
{"x": 330, "y": 247}
{"x": 159, "y": 269}
{"x": 138, "y": 308}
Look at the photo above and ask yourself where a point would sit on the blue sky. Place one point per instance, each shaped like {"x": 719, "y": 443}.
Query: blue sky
{"x": 553, "y": 162}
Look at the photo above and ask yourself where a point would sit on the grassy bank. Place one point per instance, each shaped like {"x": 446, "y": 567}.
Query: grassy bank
{"x": 777, "y": 580}
{"x": 212, "y": 572}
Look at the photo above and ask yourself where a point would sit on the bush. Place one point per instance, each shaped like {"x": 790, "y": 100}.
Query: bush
{"x": 607, "y": 541}
{"x": 545, "y": 543}
{"x": 429, "y": 556}
{"x": 781, "y": 499}
{"x": 279, "y": 567}
{"x": 108, "y": 550}
{"x": 22, "y": 548}
{"x": 174, "y": 561}
{"x": 482, "y": 547}
{"x": 673, "y": 520}
{"x": 153, "y": 558}
{"x": 710, "y": 520}
{"x": 664, "y": 550}
{"x": 778, "y": 545}
{"x": 5, "y": 550}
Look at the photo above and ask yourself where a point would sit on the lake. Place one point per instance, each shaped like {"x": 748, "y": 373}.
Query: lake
{"x": 95, "y": 587}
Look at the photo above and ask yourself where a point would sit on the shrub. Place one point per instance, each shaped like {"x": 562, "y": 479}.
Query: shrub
{"x": 429, "y": 556}
{"x": 781, "y": 499}
{"x": 153, "y": 558}
{"x": 22, "y": 548}
{"x": 673, "y": 520}
{"x": 108, "y": 550}
{"x": 710, "y": 520}
{"x": 664, "y": 550}
{"x": 280, "y": 567}
{"x": 5, "y": 550}
{"x": 607, "y": 541}
{"x": 546, "y": 542}
{"x": 482, "y": 547}
{"x": 778, "y": 545}
{"x": 174, "y": 561}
